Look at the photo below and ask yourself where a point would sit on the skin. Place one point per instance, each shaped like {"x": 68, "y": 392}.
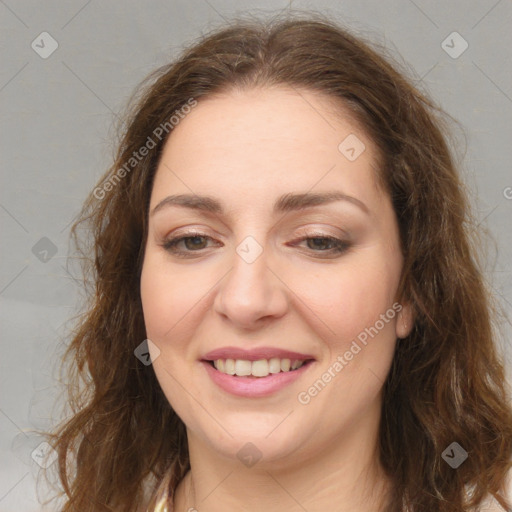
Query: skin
{"x": 246, "y": 149}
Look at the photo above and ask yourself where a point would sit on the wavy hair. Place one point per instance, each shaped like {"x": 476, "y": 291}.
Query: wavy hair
{"x": 447, "y": 379}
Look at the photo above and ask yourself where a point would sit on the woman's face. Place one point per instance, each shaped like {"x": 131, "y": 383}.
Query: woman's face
{"x": 264, "y": 273}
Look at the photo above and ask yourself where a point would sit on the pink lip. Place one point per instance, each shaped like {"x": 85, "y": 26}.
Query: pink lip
{"x": 254, "y": 387}
{"x": 254, "y": 354}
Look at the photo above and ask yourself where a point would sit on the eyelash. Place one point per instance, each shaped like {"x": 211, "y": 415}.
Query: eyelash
{"x": 340, "y": 246}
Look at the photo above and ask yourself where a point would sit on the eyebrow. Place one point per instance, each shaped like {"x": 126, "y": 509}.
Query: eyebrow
{"x": 285, "y": 203}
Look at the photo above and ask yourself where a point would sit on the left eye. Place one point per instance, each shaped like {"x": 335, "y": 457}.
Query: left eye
{"x": 325, "y": 244}
{"x": 321, "y": 242}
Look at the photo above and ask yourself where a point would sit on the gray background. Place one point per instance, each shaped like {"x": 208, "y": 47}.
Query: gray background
{"x": 57, "y": 125}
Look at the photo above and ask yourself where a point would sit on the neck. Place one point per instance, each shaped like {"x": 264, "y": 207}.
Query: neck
{"x": 346, "y": 473}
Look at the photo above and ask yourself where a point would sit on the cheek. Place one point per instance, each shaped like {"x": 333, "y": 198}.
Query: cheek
{"x": 167, "y": 297}
{"x": 171, "y": 303}
{"x": 350, "y": 298}
{"x": 356, "y": 304}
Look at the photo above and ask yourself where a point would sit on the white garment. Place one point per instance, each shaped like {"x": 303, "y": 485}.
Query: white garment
{"x": 162, "y": 498}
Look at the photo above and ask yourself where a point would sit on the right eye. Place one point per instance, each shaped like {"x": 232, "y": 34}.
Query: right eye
{"x": 192, "y": 242}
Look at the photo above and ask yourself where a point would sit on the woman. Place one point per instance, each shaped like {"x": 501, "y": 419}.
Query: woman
{"x": 288, "y": 308}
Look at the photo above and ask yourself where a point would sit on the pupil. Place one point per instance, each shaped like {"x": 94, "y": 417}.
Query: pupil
{"x": 320, "y": 242}
{"x": 195, "y": 241}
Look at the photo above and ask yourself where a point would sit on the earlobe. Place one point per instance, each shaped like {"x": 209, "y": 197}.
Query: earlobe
{"x": 404, "y": 321}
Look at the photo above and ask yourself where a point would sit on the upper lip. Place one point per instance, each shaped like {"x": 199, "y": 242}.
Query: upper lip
{"x": 254, "y": 354}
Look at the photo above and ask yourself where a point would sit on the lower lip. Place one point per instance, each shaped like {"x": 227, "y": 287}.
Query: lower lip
{"x": 254, "y": 387}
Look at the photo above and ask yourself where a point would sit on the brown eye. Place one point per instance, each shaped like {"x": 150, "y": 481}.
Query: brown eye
{"x": 195, "y": 242}
{"x": 186, "y": 244}
{"x": 321, "y": 243}
{"x": 325, "y": 246}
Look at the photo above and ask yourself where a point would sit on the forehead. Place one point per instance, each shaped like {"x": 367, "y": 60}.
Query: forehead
{"x": 260, "y": 143}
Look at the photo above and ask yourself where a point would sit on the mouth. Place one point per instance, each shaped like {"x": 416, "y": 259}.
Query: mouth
{"x": 258, "y": 369}
{"x": 255, "y": 379}
{"x": 257, "y": 372}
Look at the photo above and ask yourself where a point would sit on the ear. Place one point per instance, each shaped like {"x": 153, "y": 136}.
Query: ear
{"x": 404, "y": 321}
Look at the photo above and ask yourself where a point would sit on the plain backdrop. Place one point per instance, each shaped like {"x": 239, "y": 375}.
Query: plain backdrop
{"x": 68, "y": 69}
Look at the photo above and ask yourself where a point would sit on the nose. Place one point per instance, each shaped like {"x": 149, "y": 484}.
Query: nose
{"x": 251, "y": 293}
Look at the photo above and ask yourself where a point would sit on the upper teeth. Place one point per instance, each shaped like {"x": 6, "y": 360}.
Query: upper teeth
{"x": 260, "y": 368}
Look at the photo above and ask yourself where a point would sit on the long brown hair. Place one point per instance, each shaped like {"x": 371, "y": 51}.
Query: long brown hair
{"x": 447, "y": 381}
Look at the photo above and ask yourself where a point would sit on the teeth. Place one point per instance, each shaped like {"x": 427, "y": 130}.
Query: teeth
{"x": 243, "y": 368}
{"x": 229, "y": 366}
{"x": 274, "y": 365}
{"x": 260, "y": 368}
{"x": 296, "y": 364}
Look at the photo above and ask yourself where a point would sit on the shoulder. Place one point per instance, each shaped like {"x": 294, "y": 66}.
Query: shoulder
{"x": 160, "y": 501}
{"x": 491, "y": 504}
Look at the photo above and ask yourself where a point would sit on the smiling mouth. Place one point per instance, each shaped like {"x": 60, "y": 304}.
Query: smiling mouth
{"x": 257, "y": 369}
